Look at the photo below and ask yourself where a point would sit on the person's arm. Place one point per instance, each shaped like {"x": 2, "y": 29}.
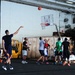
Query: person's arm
{"x": 25, "y": 46}
{"x": 48, "y": 40}
{"x": 68, "y": 45}
{"x": 49, "y": 45}
{"x": 56, "y": 45}
{"x": 17, "y": 30}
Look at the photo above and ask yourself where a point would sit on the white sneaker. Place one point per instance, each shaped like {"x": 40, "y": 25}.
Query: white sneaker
{"x": 24, "y": 62}
{"x": 11, "y": 68}
{"x": 4, "y": 68}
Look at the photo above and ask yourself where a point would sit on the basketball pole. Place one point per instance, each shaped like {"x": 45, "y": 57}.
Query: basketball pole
{"x": 57, "y": 30}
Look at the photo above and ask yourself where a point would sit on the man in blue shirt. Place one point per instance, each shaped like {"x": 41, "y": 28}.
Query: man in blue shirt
{"x": 6, "y": 45}
{"x": 41, "y": 50}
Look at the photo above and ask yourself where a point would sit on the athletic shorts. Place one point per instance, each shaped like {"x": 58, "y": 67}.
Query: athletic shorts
{"x": 66, "y": 54}
{"x": 24, "y": 52}
{"x": 58, "y": 53}
{"x": 41, "y": 52}
{"x": 45, "y": 52}
{"x": 9, "y": 50}
{"x": 72, "y": 58}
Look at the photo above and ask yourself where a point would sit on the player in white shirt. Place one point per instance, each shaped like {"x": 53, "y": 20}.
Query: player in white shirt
{"x": 41, "y": 50}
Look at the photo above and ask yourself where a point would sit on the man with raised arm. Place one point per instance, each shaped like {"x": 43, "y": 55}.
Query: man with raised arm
{"x": 7, "y": 48}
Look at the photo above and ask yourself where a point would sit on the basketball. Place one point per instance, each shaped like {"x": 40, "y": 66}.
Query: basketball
{"x": 39, "y": 8}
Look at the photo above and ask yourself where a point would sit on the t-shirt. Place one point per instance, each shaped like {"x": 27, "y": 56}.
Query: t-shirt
{"x": 46, "y": 45}
{"x": 41, "y": 45}
{"x": 58, "y": 46}
{"x": 65, "y": 45}
{"x": 25, "y": 46}
{"x": 7, "y": 39}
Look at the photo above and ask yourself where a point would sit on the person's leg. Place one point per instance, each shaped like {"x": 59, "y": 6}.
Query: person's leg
{"x": 7, "y": 63}
{"x": 41, "y": 57}
{"x": 46, "y": 60}
{"x": 46, "y": 56}
{"x": 8, "y": 55}
{"x": 56, "y": 57}
{"x": 68, "y": 55}
{"x": 65, "y": 61}
{"x": 60, "y": 58}
{"x": 24, "y": 57}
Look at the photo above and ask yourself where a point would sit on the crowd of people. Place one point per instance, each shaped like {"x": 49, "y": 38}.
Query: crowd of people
{"x": 62, "y": 52}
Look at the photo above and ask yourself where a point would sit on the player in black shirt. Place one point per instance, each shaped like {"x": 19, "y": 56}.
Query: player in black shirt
{"x": 24, "y": 51}
{"x": 7, "y": 48}
{"x": 66, "y": 53}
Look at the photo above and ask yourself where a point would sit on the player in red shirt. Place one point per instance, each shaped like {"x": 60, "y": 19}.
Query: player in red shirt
{"x": 46, "y": 47}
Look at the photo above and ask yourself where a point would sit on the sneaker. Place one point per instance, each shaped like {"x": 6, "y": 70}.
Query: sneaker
{"x": 55, "y": 63}
{"x": 24, "y": 62}
{"x": 47, "y": 63}
{"x": 11, "y": 68}
{"x": 60, "y": 63}
{"x": 4, "y": 68}
{"x": 38, "y": 63}
{"x": 64, "y": 63}
{"x": 69, "y": 64}
{"x": 42, "y": 62}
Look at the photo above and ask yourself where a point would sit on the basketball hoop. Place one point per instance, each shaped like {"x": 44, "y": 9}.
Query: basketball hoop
{"x": 43, "y": 25}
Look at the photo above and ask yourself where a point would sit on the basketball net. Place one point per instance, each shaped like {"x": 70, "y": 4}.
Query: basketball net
{"x": 43, "y": 25}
